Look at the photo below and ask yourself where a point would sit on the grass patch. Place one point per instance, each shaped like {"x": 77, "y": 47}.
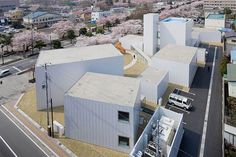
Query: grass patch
{"x": 81, "y": 149}
{"x": 136, "y": 69}
{"x": 127, "y": 58}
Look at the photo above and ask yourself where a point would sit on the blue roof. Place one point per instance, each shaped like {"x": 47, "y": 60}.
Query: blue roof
{"x": 35, "y": 14}
{"x": 171, "y": 19}
{"x": 216, "y": 16}
{"x": 233, "y": 55}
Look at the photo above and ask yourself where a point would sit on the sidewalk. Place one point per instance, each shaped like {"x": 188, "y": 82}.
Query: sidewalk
{"x": 10, "y": 59}
{"x": 50, "y": 142}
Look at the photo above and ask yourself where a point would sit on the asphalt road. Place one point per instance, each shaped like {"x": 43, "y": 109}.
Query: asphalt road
{"x": 20, "y": 144}
{"x": 20, "y": 65}
{"x": 190, "y": 145}
{"x": 213, "y": 145}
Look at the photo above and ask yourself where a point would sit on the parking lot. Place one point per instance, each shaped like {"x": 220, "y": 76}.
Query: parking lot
{"x": 194, "y": 118}
{"x": 188, "y": 95}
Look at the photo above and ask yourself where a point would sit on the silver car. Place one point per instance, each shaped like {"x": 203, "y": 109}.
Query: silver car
{"x": 4, "y": 73}
{"x": 180, "y": 101}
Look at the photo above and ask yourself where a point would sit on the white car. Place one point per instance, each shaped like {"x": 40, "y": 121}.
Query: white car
{"x": 180, "y": 101}
{"x": 4, "y": 73}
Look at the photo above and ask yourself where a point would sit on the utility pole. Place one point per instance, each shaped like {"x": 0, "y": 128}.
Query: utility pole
{"x": 52, "y": 118}
{"x": 48, "y": 124}
{"x": 158, "y": 139}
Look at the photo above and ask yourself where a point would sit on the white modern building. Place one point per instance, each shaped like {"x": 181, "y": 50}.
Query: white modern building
{"x": 231, "y": 79}
{"x": 99, "y": 14}
{"x": 150, "y": 33}
{"x": 131, "y": 41}
{"x": 103, "y": 110}
{"x": 169, "y": 136}
{"x": 176, "y": 31}
{"x": 179, "y": 61}
{"x": 206, "y": 35}
{"x": 41, "y": 19}
{"x": 216, "y": 21}
{"x": 233, "y": 56}
{"x": 66, "y": 66}
{"x": 154, "y": 83}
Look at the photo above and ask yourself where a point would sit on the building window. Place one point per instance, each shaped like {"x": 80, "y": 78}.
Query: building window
{"x": 123, "y": 141}
{"x": 123, "y": 116}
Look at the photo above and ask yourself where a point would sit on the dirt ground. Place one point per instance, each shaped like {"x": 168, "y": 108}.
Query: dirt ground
{"x": 81, "y": 149}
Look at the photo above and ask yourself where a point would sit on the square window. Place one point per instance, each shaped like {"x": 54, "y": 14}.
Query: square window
{"x": 123, "y": 116}
{"x": 123, "y": 141}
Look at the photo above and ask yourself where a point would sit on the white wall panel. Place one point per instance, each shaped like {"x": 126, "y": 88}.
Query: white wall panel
{"x": 97, "y": 122}
{"x": 178, "y": 72}
{"x": 63, "y": 76}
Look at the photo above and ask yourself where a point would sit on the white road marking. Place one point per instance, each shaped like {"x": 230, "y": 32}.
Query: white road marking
{"x": 8, "y": 146}
{"x": 16, "y": 68}
{"x": 223, "y": 109}
{"x": 172, "y": 106}
{"x": 191, "y": 93}
{"x": 203, "y": 140}
{"x": 24, "y": 132}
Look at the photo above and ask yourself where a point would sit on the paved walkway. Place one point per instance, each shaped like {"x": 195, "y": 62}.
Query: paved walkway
{"x": 50, "y": 142}
{"x": 134, "y": 60}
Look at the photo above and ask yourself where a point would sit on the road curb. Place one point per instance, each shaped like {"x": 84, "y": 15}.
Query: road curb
{"x": 23, "y": 71}
{"x": 68, "y": 151}
{"x": 12, "y": 61}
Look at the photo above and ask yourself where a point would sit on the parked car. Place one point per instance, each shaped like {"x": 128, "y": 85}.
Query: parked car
{"x": 4, "y": 73}
{"x": 180, "y": 101}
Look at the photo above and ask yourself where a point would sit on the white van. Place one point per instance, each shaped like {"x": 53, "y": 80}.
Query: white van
{"x": 180, "y": 101}
{"x": 4, "y": 73}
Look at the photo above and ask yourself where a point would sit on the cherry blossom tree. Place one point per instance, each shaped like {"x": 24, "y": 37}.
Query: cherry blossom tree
{"x": 112, "y": 18}
{"x": 23, "y": 41}
{"x": 60, "y": 28}
{"x": 129, "y": 27}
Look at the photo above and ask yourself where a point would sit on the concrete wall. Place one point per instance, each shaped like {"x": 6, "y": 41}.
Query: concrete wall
{"x": 97, "y": 122}
{"x": 178, "y": 72}
{"x": 63, "y": 76}
{"x": 189, "y": 31}
{"x": 172, "y": 33}
{"x": 230, "y": 134}
{"x": 214, "y": 23}
{"x": 130, "y": 41}
{"x": 152, "y": 92}
{"x": 150, "y": 33}
{"x": 232, "y": 89}
{"x": 192, "y": 70}
{"x": 201, "y": 56}
{"x": 163, "y": 86}
{"x": 210, "y": 36}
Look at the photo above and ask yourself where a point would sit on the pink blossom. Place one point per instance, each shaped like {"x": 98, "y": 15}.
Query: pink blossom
{"x": 25, "y": 38}
{"x": 60, "y": 28}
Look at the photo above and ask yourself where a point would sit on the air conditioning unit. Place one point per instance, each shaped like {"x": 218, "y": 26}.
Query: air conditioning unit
{"x": 149, "y": 153}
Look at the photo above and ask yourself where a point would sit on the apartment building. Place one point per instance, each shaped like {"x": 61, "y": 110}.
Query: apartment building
{"x": 220, "y": 4}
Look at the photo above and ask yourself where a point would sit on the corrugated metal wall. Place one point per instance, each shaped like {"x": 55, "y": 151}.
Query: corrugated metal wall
{"x": 97, "y": 122}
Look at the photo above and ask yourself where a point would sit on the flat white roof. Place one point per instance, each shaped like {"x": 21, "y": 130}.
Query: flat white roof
{"x": 77, "y": 54}
{"x": 106, "y": 88}
{"x": 153, "y": 75}
{"x": 131, "y": 38}
{"x": 176, "y": 53}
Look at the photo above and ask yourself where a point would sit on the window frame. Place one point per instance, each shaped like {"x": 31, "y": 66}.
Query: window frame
{"x": 122, "y": 120}
{"x": 125, "y": 146}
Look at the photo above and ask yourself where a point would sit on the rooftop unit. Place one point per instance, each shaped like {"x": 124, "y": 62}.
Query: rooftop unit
{"x": 163, "y": 135}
